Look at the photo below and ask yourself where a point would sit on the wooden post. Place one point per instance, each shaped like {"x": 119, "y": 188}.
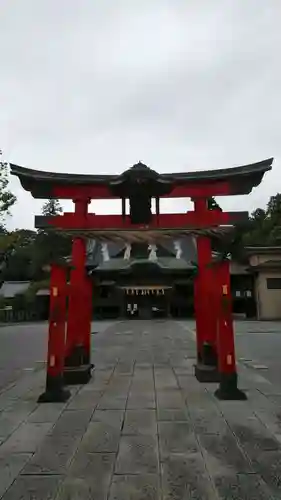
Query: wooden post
{"x": 198, "y": 318}
{"x": 76, "y": 282}
{"x": 226, "y": 349}
{"x": 88, "y": 292}
{"x": 77, "y": 363}
{"x": 55, "y": 391}
{"x": 206, "y": 369}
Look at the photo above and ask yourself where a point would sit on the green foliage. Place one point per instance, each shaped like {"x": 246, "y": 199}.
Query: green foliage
{"x": 24, "y": 253}
{"x": 7, "y": 199}
{"x": 16, "y": 248}
{"x": 265, "y": 224}
{"x": 52, "y": 207}
{"x": 49, "y": 245}
{"x": 264, "y": 228}
{"x": 34, "y": 287}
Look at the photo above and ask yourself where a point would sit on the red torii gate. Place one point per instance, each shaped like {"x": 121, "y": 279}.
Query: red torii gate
{"x": 139, "y": 184}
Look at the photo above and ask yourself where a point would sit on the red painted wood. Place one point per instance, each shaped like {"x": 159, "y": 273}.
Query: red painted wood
{"x": 163, "y": 221}
{"x": 188, "y": 190}
{"x": 88, "y": 309}
{"x": 57, "y": 319}
{"x": 65, "y": 192}
{"x": 81, "y": 206}
{"x": 198, "y": 317}
{"x": 205, "y": 301}
{"x": 225, "y": 341}
{"x": 207, "y": 320}
{"x": 75, "y": 321}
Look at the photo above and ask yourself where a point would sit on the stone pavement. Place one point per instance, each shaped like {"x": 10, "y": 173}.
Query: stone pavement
{"x": 142, "y": 429}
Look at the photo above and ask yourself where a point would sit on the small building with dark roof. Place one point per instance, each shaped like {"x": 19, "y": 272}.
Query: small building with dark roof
{"x": 142, "y": 280}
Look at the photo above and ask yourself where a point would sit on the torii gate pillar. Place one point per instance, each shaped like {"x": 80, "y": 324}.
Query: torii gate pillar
{"x": 228, "y": 389}
{"x": 77, "y": 361}
{"x": 206, "y": 368}
{"x": 55, "y": 391}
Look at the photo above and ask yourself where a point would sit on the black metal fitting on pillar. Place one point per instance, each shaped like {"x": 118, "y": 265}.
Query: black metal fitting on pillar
{"x": 55, "y": 391}
{"x": 228, "y": 390}
{"x": 209, "y": 355}
{"x": 206, "y": 368}
{"x": 77, "y": 367}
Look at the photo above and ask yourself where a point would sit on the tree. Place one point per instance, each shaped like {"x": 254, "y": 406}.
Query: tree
{"x": 52, "y": 207}
{"x": 258, "y": 216}
{"x": 16, "y": 254}
{"x": 273, "y": 208}
{"x": 24, "y": 253}
{"x": 265, "y": 224}
{"x": 7, "y": 198}
{"x": 272, "y": 221}
{"x": 49, "y": 244}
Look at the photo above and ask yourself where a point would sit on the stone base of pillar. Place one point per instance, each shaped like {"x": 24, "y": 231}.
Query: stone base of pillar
{"x": 55, "y": 391}
{"x": 77, "y": 375}
{"x": 228, "y": 389}
{"x": 206, "y": 373}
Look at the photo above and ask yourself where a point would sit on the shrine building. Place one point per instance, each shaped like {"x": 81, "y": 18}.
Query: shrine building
{"x": 143, "y": 281}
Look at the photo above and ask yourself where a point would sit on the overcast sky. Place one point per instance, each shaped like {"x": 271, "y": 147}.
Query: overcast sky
{"x": 93, "y": 86}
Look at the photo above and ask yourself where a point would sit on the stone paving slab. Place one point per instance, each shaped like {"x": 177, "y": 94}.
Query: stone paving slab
{"x": 10, "y": 466}
{"x": 33, "y": 487}
{"x": 137, "y": 487}
{"x": 142, "y": 428}
{"x": 53, "y": 457}
{"x": 89, "y": 477}
{"x": 184, "y": 476}
{"x": 26, "y": 438}
{"x": 140, "y": 422}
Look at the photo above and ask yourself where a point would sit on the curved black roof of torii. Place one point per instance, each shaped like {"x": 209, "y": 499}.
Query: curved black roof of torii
{"x": 242, "y": 179}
